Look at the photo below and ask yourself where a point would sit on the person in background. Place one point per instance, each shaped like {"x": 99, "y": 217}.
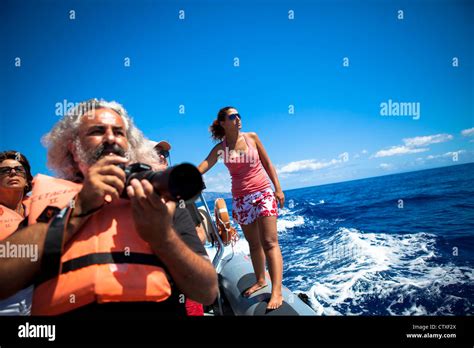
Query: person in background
{"x": 254, "y": 204}
{"x": 15, "y": 183}
{"x": 162, "y": 149}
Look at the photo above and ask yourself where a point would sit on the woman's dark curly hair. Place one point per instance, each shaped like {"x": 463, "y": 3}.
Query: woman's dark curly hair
{"x": 17, "y": 156}
{"x": 217, "y": 131}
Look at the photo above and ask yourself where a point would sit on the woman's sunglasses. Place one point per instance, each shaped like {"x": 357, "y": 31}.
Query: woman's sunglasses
{"x": 233, "y": 116}
{"x": 7, "y": 170}
{"x": 164, "y": 153}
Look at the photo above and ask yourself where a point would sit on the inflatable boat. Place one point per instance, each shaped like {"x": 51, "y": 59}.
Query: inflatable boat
{"x": 231, "y": 259}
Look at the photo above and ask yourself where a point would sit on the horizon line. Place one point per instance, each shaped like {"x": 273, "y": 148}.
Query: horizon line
{"x": 369, "y": 177}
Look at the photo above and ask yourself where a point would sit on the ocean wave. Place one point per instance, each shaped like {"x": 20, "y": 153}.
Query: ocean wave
{"x": 464, "y": 205}
{"x": 321, "y": 201}
{"x": 421, "y": 197}
{"x": 285, "y": 211}
{"x": 284, "y": 224}
{"x": 409, "y": 198}
{"x": 356, "y": 273}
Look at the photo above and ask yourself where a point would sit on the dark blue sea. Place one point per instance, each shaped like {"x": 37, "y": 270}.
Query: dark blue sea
{"x": 399, "y": 244}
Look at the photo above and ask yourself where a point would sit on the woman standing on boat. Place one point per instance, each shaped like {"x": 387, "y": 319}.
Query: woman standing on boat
{"x": 254, "y": 204}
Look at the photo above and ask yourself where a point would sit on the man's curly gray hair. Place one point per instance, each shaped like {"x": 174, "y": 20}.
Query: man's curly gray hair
{"x": 66, "y": 132}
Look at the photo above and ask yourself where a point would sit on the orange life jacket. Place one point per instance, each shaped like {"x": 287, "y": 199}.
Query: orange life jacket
{"x": 10, "y": 220}
{"x": 49, "y": 191}
{"x": 105, "y": 261}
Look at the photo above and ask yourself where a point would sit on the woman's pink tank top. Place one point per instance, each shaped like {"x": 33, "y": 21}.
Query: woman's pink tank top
{"x": 246, "y": 170}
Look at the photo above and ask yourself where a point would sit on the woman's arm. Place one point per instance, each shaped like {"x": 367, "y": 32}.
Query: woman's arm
{"x": 269, "y": 168}
{"x": 211, "y": 159}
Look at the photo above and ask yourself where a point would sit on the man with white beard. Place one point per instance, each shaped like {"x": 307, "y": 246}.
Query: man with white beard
{"x": 140, "y": 254}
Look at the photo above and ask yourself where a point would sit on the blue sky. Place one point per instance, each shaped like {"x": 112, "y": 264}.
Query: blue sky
{"x": 336, "y": 132}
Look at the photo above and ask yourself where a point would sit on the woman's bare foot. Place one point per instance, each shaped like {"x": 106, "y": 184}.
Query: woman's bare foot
{"x": 276, "y": 300}
{"x": 257, "y": 286}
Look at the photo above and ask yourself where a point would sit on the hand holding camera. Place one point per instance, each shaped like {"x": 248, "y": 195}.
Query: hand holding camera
{"x": 153, "y": 194}
{"x": 104, "y": 178}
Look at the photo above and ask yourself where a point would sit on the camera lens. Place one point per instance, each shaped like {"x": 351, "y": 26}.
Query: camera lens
{"x": 180, "y": 182}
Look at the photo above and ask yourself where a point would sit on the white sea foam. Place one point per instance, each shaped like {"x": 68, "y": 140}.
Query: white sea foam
{"x": 285, "y": 211}
{"x": 301, "y": 251}
{"x": 352, "y": 270}
{"x": 284, "y": 224}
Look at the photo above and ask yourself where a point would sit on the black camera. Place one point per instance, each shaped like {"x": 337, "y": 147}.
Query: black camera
{"x": 180, "y": 182}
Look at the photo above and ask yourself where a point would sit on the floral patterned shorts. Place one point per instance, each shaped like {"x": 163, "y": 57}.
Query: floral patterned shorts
{"x": 248, "y": 208}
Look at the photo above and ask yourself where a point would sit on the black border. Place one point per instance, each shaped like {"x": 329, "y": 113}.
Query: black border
{"x": 345, "y": 330}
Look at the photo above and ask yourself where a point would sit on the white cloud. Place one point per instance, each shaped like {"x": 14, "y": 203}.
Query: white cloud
{"x": 218, "y": 182}
{"x": 311, "y": 164}
{"x": 450, "y": 154}
{"x": 414, "y": 145}
{"x": 399, "y": 150}
{"x": 468, "y": 132}
{"x": 427, "y": 140}
{"x": 359, "y": 155}
{"x": 385, "y": 166}
{"x": 344, "y": 156}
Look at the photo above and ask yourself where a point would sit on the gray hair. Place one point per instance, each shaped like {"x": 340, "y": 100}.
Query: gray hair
{"x": 66, "y": 131}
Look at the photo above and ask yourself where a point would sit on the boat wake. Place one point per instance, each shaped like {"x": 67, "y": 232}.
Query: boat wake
{"x": 355, "y": 273}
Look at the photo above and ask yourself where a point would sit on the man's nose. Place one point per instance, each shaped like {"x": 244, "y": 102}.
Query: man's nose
{"x": 110, "y": 136}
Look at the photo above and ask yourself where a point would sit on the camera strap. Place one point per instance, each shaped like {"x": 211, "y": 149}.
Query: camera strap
{"x": 53, "y": 245}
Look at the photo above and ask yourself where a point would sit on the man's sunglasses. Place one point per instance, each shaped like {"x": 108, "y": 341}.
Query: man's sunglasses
{"x": 233, "y": 116}
{"x": 164, "y": 153}
{"x": 7, "y": 170}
